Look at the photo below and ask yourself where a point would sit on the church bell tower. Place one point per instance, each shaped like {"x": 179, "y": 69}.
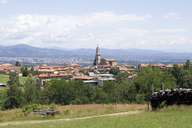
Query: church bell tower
{"x": 97, "y": 60}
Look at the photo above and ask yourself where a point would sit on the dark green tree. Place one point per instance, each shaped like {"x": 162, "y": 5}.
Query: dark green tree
{"x": 17, "y": 63}
{"x": 179, "y": 74}
{"x": 187, "y": 65}
{"x": 67, "y": 92}
{"x": 187, "y": 80}
{"x": 13, "y": 78}
{"x": 121, "y": 76}
{"x": 100, "y": 96}
{"x": 31, "y": 91}
{"x": 114, "y": 71}
{"x": 32, "y": 71}
{"x": 15, "y": 97}
{"x": 150, "y": 78}
{"x": 24, "y": 71}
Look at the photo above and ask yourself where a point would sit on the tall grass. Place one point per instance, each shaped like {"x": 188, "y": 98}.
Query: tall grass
{"x": 70, "y": 111}
{"x": 172, "y": 117}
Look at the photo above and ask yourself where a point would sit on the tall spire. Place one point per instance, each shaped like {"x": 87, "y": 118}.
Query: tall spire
{"x": 97, "y": 60}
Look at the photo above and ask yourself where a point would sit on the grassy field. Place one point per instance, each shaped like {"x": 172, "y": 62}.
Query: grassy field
{"x": 4, "y": 78}
{"x": 71, "y": 111}
{"x": 174, "y": 117}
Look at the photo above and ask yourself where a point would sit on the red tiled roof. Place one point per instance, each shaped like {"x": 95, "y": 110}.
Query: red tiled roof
{"x": 45, "y": 76}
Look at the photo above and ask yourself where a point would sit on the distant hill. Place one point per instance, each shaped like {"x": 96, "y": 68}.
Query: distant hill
{"x": 122, "y": 55}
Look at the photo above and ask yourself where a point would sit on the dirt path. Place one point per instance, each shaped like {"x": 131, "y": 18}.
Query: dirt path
{"x": 69, "y": 119}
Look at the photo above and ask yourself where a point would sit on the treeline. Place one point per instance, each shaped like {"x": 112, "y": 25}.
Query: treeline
{"x": 68, "y": 92}
{"x": 183, "y": 75}
{"x": 60, "y": 91}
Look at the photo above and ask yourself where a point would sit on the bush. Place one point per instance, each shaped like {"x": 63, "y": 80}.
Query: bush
{"x": 10, "y": 103}
{"x": 30, "y": 108}
{"x": 140, "y": 98}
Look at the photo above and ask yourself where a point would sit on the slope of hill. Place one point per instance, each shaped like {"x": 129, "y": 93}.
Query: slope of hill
{"x": 122, "y": 55}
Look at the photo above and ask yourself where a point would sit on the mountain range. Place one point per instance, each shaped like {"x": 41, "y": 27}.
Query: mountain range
{"x": 122, "y": 55}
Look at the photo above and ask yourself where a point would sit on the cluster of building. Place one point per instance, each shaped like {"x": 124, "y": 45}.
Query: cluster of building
{"x": 160, "y": 66}
{"x": 7, "y": 68}
{"x": 101, "y": 70}
{"x": 97, "y": 73}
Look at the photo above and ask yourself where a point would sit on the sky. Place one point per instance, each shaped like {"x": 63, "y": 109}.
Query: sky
{"x": 164, "y": 25}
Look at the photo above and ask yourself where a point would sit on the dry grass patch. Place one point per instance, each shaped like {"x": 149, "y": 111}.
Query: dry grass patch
{"x": 70, "y": 111}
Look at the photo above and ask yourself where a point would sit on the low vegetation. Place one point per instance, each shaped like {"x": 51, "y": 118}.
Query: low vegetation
{"x": 174, "y": 117}
{"x": 25, "y": 91}
{"x": 67, "y": 111}
{"x": 4, "y": 78}
{"x": 22, "y": 97}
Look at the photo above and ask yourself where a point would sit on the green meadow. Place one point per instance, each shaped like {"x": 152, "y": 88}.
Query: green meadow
{"x": 4, "y": 78}
{"x": 173, "y": 117}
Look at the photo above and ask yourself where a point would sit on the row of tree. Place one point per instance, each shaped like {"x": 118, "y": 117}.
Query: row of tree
{"x": 61, "y": 91}
{"x": 183, "y": 75}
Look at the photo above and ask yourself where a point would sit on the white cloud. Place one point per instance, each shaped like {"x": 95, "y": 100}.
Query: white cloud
{"x": 68, "y": 30}
{"x": 3, "y": 1}
{"x": 172, "y": 16}
{"x": 110, "y": 30}
{"x": 171, "y": 30}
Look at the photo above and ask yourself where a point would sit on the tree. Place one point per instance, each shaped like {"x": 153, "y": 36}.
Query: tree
{"x": 153, "y": 78}
{"x": 187, "y": 80}
{"x": 100, "y": 96}
{"x": 114, "y": 71}
{"x": 33, "y": 71}
{"x": 10, "y": 103}
{"x": 31, "y": 91}
{"x": 128, "y": 91}
{"x": 179, "y": 74}
{"x": 121, "y": 76}
{"x": 66, "y": 92}
{"x": 112, "y": 90}
{"x": 13, "y": 78}
{"x": 15, "y": 93}
{"x": 183, "y": 76}
{"x": 3, "y": 96}
{"x": 187, "y": 65}
{"x": 119, "y": 92}
{"x": 14, "y": 98}
{"x": 17, "y": 63}
{"x": 24, "y": 71}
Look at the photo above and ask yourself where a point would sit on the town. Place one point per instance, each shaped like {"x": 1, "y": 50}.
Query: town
{"x": 95, "y": 64}
{"x": 102, "y": 69}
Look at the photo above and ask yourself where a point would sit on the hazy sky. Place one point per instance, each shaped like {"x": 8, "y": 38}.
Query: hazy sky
{"x": 143, "y": 24}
